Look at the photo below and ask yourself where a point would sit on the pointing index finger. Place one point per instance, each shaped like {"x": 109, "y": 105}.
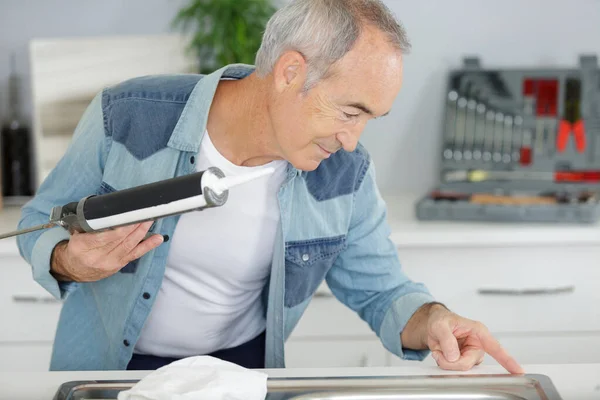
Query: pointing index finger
{"x": 494, "y": 349}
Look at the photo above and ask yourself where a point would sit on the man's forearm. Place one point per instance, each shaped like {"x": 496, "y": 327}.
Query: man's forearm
{"x": 414, "y": 335}
{"x": 57, "y": 262}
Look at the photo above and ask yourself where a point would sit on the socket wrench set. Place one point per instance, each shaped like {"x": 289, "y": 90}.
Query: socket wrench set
{"x": 519, "y": 145}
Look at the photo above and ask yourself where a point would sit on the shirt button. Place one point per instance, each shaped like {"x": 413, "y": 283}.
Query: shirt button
{"x": 192, "y": 159}
{"x": 146, "y": 295}
{"x": 126, "y": 343}
{"x": 305, "y": 257}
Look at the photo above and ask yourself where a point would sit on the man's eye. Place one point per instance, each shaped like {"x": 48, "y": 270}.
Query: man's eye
{"x": 350, "y": 115}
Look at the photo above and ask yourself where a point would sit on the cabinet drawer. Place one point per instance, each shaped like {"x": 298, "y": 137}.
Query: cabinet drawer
{"x": 8, "y": 247}
{"x": 456, "y": 276}
{"x": 28, "y": 311}
{"x": 329, "y": 353}
{"x": 25, "y": 357}
{"x": 540, "y": 349}
{"x": 327, "y": 316}
{"x": 549, "y": 349}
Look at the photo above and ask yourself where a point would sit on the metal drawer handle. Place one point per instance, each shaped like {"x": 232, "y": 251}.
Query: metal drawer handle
{"x": 527, "y": 292}
{"x": 323, "y": 294}
{"x": 34, "y": 299}
{"x": 364, "y": 361}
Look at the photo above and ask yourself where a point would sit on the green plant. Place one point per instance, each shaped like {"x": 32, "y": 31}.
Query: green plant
{"x": 224, "y": 31}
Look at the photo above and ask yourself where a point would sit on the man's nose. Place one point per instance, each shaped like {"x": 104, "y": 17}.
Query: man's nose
{"x": 349, "y": 139}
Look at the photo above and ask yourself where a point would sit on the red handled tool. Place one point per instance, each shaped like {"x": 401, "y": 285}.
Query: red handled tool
{"x": 577, "y": 176}
{"x": 479, "y": 175}
{"x": 572, "y": 121}
{"x": 540, "y": 99}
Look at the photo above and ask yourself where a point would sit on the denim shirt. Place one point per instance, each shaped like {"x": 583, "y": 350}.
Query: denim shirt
{"x": 332, "y": 227}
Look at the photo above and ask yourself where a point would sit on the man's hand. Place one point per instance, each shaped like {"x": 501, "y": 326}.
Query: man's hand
{"x": 456, "y": 343}
{"x": 88, "y": 257}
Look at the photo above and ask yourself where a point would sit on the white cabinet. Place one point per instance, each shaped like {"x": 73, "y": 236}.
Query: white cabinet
{"x": 536, "y": 349}
{"x": 540, "y": 302}
{"x": 30, "y": 312}
{"x": 331, "y": 335}
{"x": 514, "y": 289}
{"x": 29, "y": 315}
{"x": 327, "y": 317}
{"x": 335, "y": 352}
{"x": 25, "y": 357}
{"x": 552, "y": 348}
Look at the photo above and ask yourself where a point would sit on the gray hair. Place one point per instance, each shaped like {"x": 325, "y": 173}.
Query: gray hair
{"x": 323, "y": 31}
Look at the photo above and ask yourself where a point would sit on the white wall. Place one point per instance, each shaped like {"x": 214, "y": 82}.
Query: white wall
{"x": 405, "y": 144}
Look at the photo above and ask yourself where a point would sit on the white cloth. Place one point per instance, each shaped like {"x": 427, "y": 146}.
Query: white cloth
{"x": 200, "y": 377}
{"x": 217, "y": 267}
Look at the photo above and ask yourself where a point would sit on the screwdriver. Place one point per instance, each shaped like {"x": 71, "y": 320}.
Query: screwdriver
{"x": 174, "y": 196}
{"x": 556, "y": 176}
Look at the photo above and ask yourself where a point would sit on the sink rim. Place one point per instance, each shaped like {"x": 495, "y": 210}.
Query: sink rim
{"x": 68, "y": 390}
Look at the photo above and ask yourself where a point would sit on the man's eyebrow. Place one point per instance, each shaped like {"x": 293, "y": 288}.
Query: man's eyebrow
{"x": 364, "y": 108}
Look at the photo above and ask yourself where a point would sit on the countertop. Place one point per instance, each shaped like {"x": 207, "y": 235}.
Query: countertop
{"x": 573, "y": 381}
{"x": 407, "y": 231}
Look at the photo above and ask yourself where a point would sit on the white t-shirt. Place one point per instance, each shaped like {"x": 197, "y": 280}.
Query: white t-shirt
{"x": 218, "y": 264}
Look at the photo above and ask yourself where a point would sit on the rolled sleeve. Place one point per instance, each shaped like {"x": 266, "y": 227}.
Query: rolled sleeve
{"x": 395, "y": 321}
{"x": 40, "y": 262}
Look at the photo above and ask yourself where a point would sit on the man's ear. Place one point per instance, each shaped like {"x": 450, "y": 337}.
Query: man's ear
{"x": 290, "y": 71}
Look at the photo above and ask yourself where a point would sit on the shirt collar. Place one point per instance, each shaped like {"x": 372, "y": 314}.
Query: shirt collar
{"x": 191, "y": 126}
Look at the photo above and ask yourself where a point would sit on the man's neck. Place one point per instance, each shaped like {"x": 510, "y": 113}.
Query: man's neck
{"x": 238, "y": 122}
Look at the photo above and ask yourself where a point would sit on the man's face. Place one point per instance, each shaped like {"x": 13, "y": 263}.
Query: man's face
{"x": 310, "y": 126}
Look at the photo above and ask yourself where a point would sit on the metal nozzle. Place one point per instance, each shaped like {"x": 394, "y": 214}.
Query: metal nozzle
{"x": 26, "y": 230}
{"x": 227, "y": 183}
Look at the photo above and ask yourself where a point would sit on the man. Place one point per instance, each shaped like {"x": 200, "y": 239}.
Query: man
{"x": 233, "y": 281}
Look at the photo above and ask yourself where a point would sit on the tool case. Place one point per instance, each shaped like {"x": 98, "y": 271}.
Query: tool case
{"x": 519, "y": 145}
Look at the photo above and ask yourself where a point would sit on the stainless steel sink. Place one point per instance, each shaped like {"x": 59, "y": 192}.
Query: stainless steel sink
{"x": 447, "y": 387}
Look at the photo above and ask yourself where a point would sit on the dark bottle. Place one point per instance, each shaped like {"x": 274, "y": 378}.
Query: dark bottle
{"x": 15, "y": 145}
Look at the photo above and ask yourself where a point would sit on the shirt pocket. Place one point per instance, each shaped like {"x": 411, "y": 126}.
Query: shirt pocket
{"x": 306, "y": 264}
